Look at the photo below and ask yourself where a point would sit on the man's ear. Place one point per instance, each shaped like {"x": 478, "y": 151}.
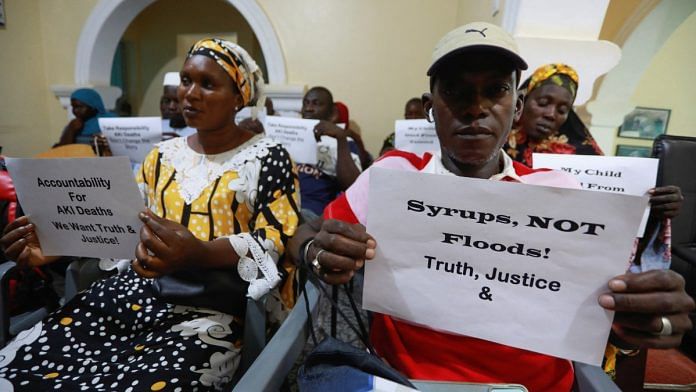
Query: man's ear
{"x": 519, "y": 107}
{"x": 427, "y": 99}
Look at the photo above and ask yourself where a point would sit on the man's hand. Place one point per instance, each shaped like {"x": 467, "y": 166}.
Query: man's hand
{"x": 329, "y": 129}
{"x": 340, "y": 249}
{"x": 641, "y": 301}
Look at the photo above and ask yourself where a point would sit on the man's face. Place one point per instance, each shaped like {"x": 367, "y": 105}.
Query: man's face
{"x": 170, "y": 109}
{"x": 474, "y": 101}
{"x": 169, "y": 103}
{"x": 414, "y": 110}
{"x": 316, "y": 105}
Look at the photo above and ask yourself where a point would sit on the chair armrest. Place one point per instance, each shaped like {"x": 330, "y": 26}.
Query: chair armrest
{"x": 5, "y": 269}
{"x": 254, "y": 332}
{"x": 273, "y": 364}
{"x": 590, "y": 378}
{"x": 686, "y": 252}
{"x": 80, "y": 274}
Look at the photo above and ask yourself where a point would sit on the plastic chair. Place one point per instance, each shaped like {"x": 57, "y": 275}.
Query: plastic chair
{"x": 68, "y": 151}
{"x": 270, "y": 368}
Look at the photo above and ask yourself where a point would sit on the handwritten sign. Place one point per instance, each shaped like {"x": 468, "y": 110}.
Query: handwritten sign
{"x": 81, "y": 207}
{"x": 417, "y": 136}
{"x": 629, "y": 175}
{"x": 133, "y": 137}
{"x": 515, "y": 264}
{"x": 296, "y": 135}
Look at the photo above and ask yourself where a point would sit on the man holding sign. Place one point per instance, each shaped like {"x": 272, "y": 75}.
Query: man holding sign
{"x": 473, "y": 79}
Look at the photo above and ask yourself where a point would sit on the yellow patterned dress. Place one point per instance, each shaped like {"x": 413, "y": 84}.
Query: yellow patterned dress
{"x": 128, "y": 333}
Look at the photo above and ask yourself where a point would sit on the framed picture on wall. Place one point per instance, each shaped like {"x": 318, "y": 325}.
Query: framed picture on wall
{"x": 2, "y": 13}
{"x": 623, "y": 150}
{"x": 645, "y": 123}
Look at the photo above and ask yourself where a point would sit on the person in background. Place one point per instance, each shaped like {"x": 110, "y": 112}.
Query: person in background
{"x": 221, "y": 205}
{"x": 412, "y": 111}
{"x": 87, "y": 107}
{"x": 338, "y": 162}
{"x": 251, "y": 124}
{"x": 173, "y": 124}
{"x": 548, "y": 123}
{"x": 269, "y": 107}
{"x": 474, "y": 102}
{"x": 123, "y": 107}
{"x": 342, "y": 116}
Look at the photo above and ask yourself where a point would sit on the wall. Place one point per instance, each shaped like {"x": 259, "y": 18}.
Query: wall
{"x": 370, "y": 58}
{"x": 23, "y": 82}
{"x": 669, "y": 82}
{"x": 151, "y": 50}
{"x": 37, "y": 50}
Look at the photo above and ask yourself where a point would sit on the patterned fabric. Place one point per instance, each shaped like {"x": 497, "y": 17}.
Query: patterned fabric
{"x": 120, "y": 335}
{"x": 423, "y": 353}
{"x": 236, "y": 62}
{"x": 318, "y": 182}
{"x": 558, "y": 74}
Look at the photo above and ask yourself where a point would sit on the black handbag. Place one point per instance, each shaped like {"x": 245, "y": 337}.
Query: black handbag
{"x": 334, "y": 365}
{"x": 222, "y": 290}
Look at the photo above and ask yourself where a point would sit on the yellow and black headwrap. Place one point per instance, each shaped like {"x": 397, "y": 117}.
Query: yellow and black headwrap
{"x": 243, "y": 70}
{"x": 558, "y": 74}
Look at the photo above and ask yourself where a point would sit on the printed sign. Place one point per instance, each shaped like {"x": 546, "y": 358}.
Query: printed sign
{"x": 629, "y": 175}
{"x": 516, "y": 264}
{"x": 296, "y": 135}
{"x": 133, "y": 137}
{"x": 417, "y": 136}
{"x": 82, "y": 206}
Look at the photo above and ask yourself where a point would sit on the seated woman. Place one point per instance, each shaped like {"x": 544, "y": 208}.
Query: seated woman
{"x": 87, "y": 107}
{"x": 550, "y": 125}
{"x": 474, "y": 102}
{"x": 222, "y": 204}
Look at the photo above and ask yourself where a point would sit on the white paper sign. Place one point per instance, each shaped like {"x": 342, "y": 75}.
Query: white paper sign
{"x": 81, "y": 206}
{"x": 629, "y": 175}
{"x": 417, "y": 136}
{"x": 296, "y": 135}
{"x": 180, "y": 132}
{"x": 515, "y": 264}
{"x": 133, "y": 137}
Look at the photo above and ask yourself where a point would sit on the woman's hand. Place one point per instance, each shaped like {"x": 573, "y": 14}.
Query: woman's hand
{"x": 665, "y": 201}
{"x": 20, "y": 243}
{"x": 340, "y": 249}
{"x": 75, "y": 125}
{"x": 165, "y": 247}
{"x": 329, "y": 129}
{"x": 641, "y": 302}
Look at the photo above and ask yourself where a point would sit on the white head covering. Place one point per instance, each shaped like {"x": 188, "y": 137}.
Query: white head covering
{"x": 171, "y": 79}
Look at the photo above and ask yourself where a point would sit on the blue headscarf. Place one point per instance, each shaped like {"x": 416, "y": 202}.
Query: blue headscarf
{"x": 92, "y": 99}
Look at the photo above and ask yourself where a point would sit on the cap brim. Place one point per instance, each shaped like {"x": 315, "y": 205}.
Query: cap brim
{"x": 519, "y": 63}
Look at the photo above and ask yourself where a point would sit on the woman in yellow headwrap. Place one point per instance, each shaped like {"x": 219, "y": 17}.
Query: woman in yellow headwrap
{"x": 549, "y": 123}
{"x": 221, "y": 206}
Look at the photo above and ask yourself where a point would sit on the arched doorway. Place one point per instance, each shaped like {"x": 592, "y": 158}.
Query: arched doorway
{"x": 108, "y": 21}
{"x": 110, "y": 18}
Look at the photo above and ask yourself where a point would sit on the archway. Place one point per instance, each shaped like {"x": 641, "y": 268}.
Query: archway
{"x": 613, "y": 97}
{"x": 110, "y": 18}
